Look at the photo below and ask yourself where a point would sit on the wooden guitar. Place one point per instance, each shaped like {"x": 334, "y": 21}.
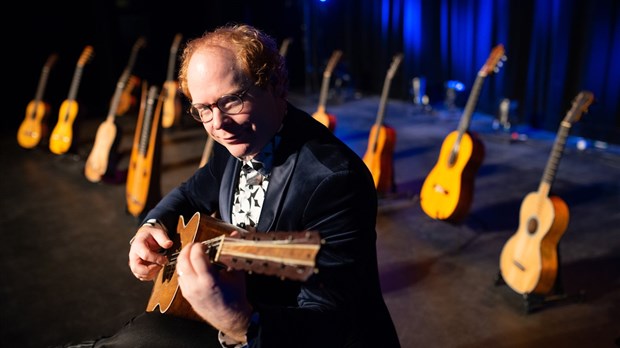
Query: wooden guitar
{"x": 127, "y": 99}
{"x": 328, "y": 120}
{"x": 97, "y": 162}
{"x": 172, "y": 102}
{"x": 288, "y": 255}
{"x": 529, "y": 259}
{"x": 447, "y": 191}
{"x": 62, "y": 135}
{"x": 33, "y": 128}
{"x": 379, "y": 156}
{"x": 139, "y": 178}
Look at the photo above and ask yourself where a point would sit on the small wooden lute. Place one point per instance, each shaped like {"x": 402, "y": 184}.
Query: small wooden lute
{"x": 62, "y": 134}
{"x": 379, "y": 155}
{"x": 327, "y": 119}
{"x": 33, "y": 128}
{"x": 447, "y": 191}
{"x": 288, "y": 255}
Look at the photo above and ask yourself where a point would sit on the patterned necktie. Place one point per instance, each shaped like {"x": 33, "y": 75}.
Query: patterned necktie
{"x": 250, "y": 195}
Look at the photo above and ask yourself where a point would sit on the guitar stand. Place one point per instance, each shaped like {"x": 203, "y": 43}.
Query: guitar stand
{"x": 534, "y": 302}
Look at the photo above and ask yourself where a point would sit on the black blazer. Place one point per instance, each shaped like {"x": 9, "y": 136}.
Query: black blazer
{"x": 317, "y": 183}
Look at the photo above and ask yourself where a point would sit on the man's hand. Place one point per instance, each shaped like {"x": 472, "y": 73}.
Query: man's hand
{"x": 145, "y": 257}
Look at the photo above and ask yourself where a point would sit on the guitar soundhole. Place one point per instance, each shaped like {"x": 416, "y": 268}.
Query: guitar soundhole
{"x": 532, "y": 225}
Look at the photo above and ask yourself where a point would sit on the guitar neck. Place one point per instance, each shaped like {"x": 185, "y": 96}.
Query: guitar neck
{"x": 554, "y": 159}
{"x": 289, "y": 255}
{"x": 44, "y": 76}
{"x": 148, "y": 118}
{"x": 468, "y": 112}
{"x": 173, "y": 57}
{"x": 116, "y": 99}
{"x": 324, "y": 89}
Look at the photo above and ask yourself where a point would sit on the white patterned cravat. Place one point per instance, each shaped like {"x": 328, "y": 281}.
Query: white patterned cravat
{"x": 249, "y": 195}
{"x": 253, "y": 182}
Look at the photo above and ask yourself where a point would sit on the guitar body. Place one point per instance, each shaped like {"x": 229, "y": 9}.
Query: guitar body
{"x": 379, "y": 156}
{"x": 172, "y": 108}
{"x": 33, "y": 129}
{"x": 98, "y": 161}
{"x": 529, "y": 260}
{"x": 62, "y": 134}
{"x": 166, "y": 294}
{"x": 447, "y": 191}
{"x": 326, "y": 119}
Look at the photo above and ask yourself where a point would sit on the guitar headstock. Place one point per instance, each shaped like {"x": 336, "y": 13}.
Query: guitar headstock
{"x": 86, "y": 56}
{"x": 333, "y": 60}
{"x": 140, "y": 43}
{"x": 51, "y": 60}
{"x": 394, "y": 66}
{"x": 580, "y": 105}
{"x": 494, "y": 62}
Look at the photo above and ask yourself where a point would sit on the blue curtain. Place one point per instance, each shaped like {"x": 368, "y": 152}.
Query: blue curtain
{"x": 554, "y": 49}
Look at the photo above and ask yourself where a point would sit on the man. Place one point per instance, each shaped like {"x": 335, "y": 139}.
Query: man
{"x": 274, "y": 170}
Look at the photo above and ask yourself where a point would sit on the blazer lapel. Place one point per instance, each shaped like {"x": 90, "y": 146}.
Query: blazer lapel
{"x": 227, "y": 188}
{"x": 280, "y": 177}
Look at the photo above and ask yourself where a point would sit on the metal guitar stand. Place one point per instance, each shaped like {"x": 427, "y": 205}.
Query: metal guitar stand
{"x": 534, "y": 302}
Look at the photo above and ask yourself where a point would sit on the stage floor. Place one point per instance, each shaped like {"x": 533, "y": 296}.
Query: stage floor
{"x": 66, "y": 276}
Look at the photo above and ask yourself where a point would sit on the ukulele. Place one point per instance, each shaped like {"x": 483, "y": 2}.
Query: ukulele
{"x": 33, "y": 128}
{"x": 328, "y": 120}
{"x": 447, "y": 191}
{"x": 288, "y": 255}
{"x": 529, "y": 259}
{"x": 97, "y": 162}
{"x": 382, "y": 139}
{"x": 127, "y": 99}
{"x": 62, "y": 134}
{"x": 143, "y": 151}
{"x": 172, "y": 102}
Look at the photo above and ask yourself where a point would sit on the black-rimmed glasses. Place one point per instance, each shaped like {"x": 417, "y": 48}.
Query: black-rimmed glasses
{"x": 230, "y": 104}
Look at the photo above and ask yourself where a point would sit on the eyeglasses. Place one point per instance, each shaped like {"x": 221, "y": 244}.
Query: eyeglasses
{"x": 230, "y": 104}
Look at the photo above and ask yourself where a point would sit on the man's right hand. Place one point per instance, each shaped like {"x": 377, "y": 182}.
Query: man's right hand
{"x": 145, "y": 255}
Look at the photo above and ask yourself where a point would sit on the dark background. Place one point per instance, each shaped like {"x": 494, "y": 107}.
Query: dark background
{"x": 554, "y": 50}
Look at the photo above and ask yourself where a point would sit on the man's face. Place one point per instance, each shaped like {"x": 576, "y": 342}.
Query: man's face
{"x": 213, "y": 72}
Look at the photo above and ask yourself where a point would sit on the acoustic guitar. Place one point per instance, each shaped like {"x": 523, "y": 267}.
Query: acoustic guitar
{"x": 288, "y": 255}
{"x": 97, "y": 163}
{"x": 139, "y": 178}
{"x": 447, "y": 191}
{"x": 529, "y": 259}
{"x": 62, "y": 135}
{"x": 127, "y": 99}
{"x": 328, "y": 120}
{"x": 379, "y": 155}
{"x": 33, "y": 128}
{"x": 172, "y": 102}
